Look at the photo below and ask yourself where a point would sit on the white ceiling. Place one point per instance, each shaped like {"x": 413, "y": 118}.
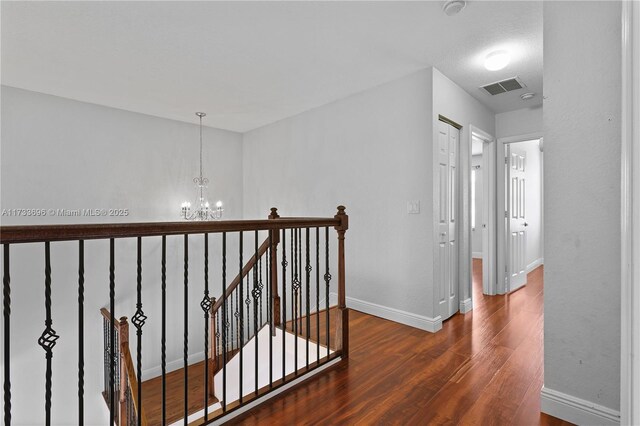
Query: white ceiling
{"x": 248, "y": 64}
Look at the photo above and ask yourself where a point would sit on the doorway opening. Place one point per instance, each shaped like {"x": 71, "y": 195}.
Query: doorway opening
{"x": 520, "y": 205}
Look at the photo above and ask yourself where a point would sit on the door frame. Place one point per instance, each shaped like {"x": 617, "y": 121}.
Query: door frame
{"x": 630, "y": 216}
{"x": 488, "y": 191}
{"x": 502, "y": 285}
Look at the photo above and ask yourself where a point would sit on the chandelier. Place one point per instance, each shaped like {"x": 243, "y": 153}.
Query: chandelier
{"x": 202, "y": 210}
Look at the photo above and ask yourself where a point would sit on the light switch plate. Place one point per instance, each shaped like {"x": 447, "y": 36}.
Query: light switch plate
{"x": 413, "y": 207}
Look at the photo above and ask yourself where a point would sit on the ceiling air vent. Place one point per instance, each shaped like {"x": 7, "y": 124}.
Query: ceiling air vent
{"x": 504, "y": 86}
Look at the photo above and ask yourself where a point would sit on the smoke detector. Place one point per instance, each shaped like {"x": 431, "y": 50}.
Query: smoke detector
{"x": 453, "y": 7}
{"x": 527, "y": 96}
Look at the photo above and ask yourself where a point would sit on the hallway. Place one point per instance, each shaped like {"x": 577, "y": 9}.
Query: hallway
{"x": 482, "y": 368}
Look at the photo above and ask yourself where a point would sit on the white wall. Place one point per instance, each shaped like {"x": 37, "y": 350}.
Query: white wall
{"x": 454, "y": 103}
{"x": 372, "y": 153}
{"x": 582, "y": 56}
{"x": 519, "y": 122}
{"x": 59, "y": 153}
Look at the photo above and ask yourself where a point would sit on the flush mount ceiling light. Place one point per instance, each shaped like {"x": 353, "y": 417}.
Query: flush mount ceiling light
{"x": 497, "y": 60}
{"x": 453, "y": 7}
{"x": 527, "y": 96}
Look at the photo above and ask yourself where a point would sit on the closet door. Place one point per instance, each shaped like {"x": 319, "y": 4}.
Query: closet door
{"x": 447, "y": 208}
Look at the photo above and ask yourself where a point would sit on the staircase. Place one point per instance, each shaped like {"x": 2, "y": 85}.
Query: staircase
{"x": 271, "y": 326}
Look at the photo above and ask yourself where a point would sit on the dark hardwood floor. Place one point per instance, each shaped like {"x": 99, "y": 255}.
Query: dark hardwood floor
{"x": 483, "y": 368}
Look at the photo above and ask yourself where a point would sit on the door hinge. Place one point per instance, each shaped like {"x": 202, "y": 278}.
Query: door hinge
{"x": 506, "y": 214}
{"x": 506, "y": 160}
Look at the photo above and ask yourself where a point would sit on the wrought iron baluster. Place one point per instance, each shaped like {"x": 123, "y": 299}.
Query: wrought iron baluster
{"x": 284, "y": 302}
{"x": 81, "y": 332}
{"x": 247, "y": 302}
{"x": 232, "y": 319}
{"x": 112, "y": 330}
{"x": 308, "y": 301}
{"x": 318, "y": 294}
{"x": 269, "y": 298}
{"x": 256, "y": 293}
{"x": 236, "y": 314}
{"x": 186, "y": 329}
{"x": 327, "y": 280}
{"x": 163, "y": 338}
{"x": 260, "y": 285}
{"x": 48, "y": 337}
{"x": 218, "y": 343}
{"x": 206, "y": 307}
{"x": 138, "y": 320}
{"x": 224, "y": 315}
{"x": 296, "y": 300}
{"x": 301, "y": 290}
{"x": 241, "y": 243}
{"x": 6, "y": 313}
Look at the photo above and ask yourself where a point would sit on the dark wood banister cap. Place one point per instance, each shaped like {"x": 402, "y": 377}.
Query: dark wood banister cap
{"x": 343, "y": 218}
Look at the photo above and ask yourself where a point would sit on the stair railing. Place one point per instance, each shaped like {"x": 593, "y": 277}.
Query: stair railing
{"x": 125, "y": 380}
{"x": 284, "y": 275}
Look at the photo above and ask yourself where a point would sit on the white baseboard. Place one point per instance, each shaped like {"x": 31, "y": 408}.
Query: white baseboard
{"x": 414, "y": 320}
{"x": 576, "y": 410}
{"x": 466, "y": 306}
{"x": 476, "y": 255}
{"x": 533, "y": 265}
{"x": 152, "y": 372}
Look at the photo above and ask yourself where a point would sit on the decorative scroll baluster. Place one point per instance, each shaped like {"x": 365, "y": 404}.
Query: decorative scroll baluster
{"x": 295, "y": 285}
{"x": 236, "y": 314}
{"x": 260, "y": 287}
{"x": 6, "y": 313}
{"x": 81, "y": 332}
{"x": 48, "y": 337}
{"x": 218, "y": 343}
{"x": 112, "y": 330}
{"x": 138, "y": 320}
{"x": 327, "y": 282}
{"x": 185, "y": 353}
{"x": 206, "y": 307}
{"x": 284, "y": 302}
{"x": 163, "y": 338}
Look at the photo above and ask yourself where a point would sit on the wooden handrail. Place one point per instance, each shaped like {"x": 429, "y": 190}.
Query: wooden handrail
{"x": 238, "y": 279}
{"x": 43, "y": 233}
{"x": 133, "y": 381}
{"x": 105, "y": 313}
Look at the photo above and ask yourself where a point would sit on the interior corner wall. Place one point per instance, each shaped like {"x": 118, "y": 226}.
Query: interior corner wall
{"x": 452, "y": 102}
{"x": 371, "y": 152}
{"x": 582, "y": 210}
{"x": 58, "y": 153}
{"x": 519, "y": 122}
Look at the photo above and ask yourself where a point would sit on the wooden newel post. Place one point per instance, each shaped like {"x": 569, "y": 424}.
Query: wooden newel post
{"x": 123, "y": 332}
{"x": 342, "y": 297}
{"x": 275, "y": 240}
{"x": 213, "y": 356}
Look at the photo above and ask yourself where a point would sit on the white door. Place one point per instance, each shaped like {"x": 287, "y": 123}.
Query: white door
{"x": 516, "y": 211}
{"x": 446, "y": 197}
